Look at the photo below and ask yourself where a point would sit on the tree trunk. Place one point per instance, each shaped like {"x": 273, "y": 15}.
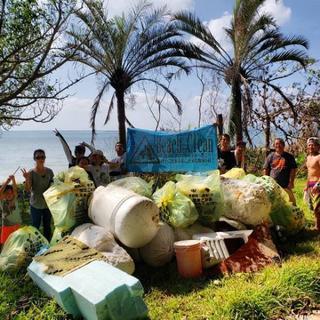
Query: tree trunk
{"x": 236, "y": 110}
{"x": 220, "y": 124}
{"x": 267, "y": 132}
{"x": 121, "y": 118}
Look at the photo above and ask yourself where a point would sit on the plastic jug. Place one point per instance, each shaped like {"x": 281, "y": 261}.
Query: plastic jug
{"x": 131, "y": 218}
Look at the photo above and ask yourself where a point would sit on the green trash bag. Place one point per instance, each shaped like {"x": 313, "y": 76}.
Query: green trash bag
{"x": 136, "y": 185}
{"x": 290, "y": 218}
{"x": 205, "y": 192}
{"x": 68, "y": 201}
{"x": 20, "y": 247}
{"x": 175, "y": 208}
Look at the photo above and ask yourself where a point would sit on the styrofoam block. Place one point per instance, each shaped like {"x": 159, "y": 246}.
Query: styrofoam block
{"x": 54, "y": 287}
{"x": 96, "y": 291}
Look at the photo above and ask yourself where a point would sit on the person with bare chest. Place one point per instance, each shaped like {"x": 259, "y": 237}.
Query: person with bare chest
{"x": 313, "y": 184}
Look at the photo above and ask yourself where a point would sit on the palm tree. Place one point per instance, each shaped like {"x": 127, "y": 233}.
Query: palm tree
{"x": 257, "y": 45}
{"x": 124, "y": 49}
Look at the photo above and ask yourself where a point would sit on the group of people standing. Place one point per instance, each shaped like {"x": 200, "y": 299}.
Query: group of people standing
{"x": 96, "y": 165}
{"x": 39, "y": 178}
{"x": 281, "y": 166}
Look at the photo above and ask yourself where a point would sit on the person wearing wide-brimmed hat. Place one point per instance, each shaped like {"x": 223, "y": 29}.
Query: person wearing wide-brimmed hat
{"x": 98, "y": 168}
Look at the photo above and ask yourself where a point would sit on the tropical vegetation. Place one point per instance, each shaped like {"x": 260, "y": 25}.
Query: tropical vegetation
{"x": 31, "y": 50}
{"x": 124, "y": 50}
{"x": 258, "y": 46}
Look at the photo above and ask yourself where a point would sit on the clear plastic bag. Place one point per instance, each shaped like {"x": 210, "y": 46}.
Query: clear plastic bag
{"x": 283, "y": 213}
{"x": 246, "y": 202}
{"x": 136, "y": 185}
{"x": 20, "y": 247}
{"x": 234, "y": 173}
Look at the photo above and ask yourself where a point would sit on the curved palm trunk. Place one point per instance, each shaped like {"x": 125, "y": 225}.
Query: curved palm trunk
{"x": 121, "y": 118}
{"x": 236, "y": 109}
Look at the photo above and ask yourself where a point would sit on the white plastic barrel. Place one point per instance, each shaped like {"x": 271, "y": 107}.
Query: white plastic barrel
{"x": 131, "y": 218}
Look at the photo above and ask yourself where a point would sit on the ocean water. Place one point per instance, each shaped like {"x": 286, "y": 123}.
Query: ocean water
{"x": 17, "y": 149}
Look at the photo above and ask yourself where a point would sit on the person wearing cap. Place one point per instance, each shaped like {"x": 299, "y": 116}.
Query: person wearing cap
{"x": 79, "y": 150}
{"x": 239, "y": 154}
{"x": 98, "y": 168}
{"x": 313, "y": 183}
{"x": 282, "y": 167}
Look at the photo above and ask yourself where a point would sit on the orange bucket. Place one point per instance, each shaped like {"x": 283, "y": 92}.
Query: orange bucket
{"x": 188, "y": 253}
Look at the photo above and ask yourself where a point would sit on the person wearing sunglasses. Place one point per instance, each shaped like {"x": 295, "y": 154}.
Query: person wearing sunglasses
{"x": 37, "y": 181}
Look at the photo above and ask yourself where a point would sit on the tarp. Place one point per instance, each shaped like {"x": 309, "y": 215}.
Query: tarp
{"x": 159, "y": 151}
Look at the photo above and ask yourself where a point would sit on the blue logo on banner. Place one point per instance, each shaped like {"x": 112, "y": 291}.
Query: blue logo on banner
{"x": 158, "y": 151}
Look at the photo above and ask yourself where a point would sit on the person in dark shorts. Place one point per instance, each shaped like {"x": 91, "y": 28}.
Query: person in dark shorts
{"x": 37, "y": 181}
{"x": 281, "y": 166}
{"x": 226, "y": 158}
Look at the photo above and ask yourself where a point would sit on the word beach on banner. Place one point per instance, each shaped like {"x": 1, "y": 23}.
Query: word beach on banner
{"x": 159, "y": 151}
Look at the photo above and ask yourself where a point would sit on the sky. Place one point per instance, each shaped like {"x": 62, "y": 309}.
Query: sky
{"x": 293, "y": 16}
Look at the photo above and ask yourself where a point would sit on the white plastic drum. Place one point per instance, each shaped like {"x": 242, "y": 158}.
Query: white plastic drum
{"x": 131, "y": 218}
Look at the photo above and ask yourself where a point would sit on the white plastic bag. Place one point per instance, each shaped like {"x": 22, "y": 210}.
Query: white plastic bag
{"x": 98, "y": 238}
{"x": 245, "y": 202}
{"x": 160, "y": 250}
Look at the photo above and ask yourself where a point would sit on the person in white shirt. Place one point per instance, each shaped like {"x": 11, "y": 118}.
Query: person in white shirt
{"x": 99, "y": 169}
{"x": 117, "y": 165}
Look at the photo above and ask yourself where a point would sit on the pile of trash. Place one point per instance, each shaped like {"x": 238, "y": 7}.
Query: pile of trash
{"x": 127, "y": 222}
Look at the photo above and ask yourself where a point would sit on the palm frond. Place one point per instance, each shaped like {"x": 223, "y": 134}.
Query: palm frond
{"x": 190, "y": 24}
{"x": 110, "y": 108}
{"x": 94, "y": 109}
{"x": 283, "y": 95}
{"x": 166, "y": 89}
{"x": 129, "y": 123}
{"x": 290, "y": 55}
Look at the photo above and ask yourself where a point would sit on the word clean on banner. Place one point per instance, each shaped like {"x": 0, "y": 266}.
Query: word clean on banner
{"x": 159, "y": 151}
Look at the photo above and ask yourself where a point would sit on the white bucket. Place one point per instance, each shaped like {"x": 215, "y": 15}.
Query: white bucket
{"x": 131, "y": 218}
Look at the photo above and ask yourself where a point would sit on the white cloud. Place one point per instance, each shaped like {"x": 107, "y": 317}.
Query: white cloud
{"x": 217, "y": 27}
{"x": 117, "y": 7}
{"x": 278, "y": 10}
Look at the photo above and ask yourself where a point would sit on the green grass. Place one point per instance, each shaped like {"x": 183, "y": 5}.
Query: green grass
{"x": 274, "y": 293}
